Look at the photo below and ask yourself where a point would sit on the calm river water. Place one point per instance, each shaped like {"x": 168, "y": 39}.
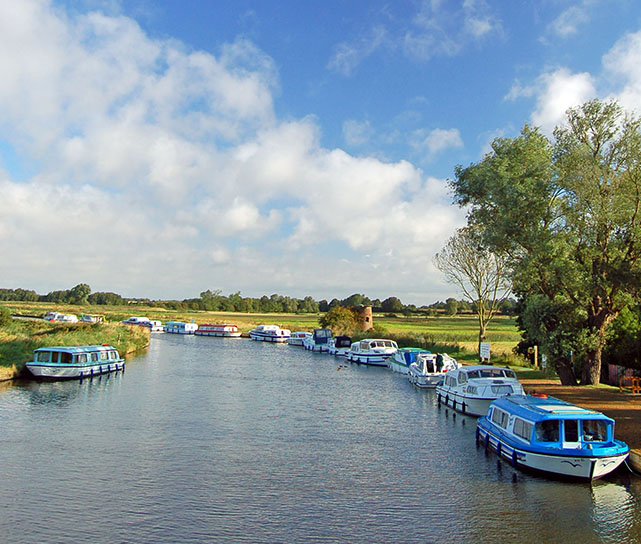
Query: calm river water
{"x": 223, "y": 440}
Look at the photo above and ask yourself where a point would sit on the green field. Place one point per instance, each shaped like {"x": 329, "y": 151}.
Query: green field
{"x": 455, "y": 335}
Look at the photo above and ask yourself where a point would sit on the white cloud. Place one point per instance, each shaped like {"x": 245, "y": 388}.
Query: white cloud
{"x": 357, "y": 133}
{"x": 622, "y": 65}
{"x": 436, "y": 141}
{"x": 164, "y": 171}
{"x": 569, "y": 21}
{"x": 348, "y": 56}
{"x": 555, "y": 92}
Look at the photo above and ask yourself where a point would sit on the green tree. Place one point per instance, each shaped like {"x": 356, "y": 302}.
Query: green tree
{"x": 451, "y": 306}
{"x": 392, "y": 304}
{"x": 342, "y": 321}
{"x": 79, "y": 294}
{"x": 566, "y": 213}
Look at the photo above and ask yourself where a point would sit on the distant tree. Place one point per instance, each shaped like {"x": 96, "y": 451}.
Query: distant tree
{"x": 451, "y": 306}
{"x": 392, "y": 304}
{"x": 102, "y": 298}
{"x": 479, "y": 273}
{"x": 342, "y": 321}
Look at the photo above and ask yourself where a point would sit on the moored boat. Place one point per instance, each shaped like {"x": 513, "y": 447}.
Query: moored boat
{"x": 339, "y": 346}
{"x": 298, "y": 337}
{"x": 69, "y": 362}
{"x": 429, "y": 370}
{"x": 471, "y": 389}
{"x": 224, "y": 330}
{"x": 372, "y": 351}
{"x": 318, "y": 341}
{"x": 404, "y": 357}
{"x": 180, "y": 327}
{"x": 270, "y": 333}
{"x": 550, "y": 435}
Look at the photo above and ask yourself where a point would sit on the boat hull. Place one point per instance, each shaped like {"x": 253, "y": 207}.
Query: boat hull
{"x": 371, "y": 360}
{"x": 218, "y": 334}
{"x": 70, "y": 372}
{"x": 471, "y": 406}
{"x": 566, "y": 465}
{"x": 395, "y": 366}
{"x": 268, "y": 338}
{"x": 425, "y": 380}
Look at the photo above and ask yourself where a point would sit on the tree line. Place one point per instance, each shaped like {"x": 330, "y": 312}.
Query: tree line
{"x": 215, "y": 301}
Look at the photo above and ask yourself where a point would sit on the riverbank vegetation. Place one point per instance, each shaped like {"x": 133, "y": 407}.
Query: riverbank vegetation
{"x": 18, "y": 339}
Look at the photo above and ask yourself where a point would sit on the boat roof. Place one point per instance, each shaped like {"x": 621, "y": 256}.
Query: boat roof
{"x": 468, "y": 368}
{"x": 538, "y": 408}
{"x": 77, "y": 349}
{"x": 414, "y": 350}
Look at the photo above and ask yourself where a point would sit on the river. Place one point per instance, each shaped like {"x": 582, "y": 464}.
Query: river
{"x": 228, "y": 440}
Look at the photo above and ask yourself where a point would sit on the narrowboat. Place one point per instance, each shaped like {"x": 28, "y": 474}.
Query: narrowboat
{"x": 549, "y": 435}
{"x": 372, "y": 351}
{"x": 270, "y": 333}
{"x": 430, "y": 370}
{"x": 471, "y": 389}
{"x": 339, "y": 346}
{"x": 225, "y": 330}
{"x": 69, "y": 362}
{"x": 319, "y": 340}
{"x": 298, "y": 337}
{"x": 180, "y": 327}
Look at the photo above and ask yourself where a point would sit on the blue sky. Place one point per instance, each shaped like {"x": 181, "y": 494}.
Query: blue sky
{"x": 161, "y": 148}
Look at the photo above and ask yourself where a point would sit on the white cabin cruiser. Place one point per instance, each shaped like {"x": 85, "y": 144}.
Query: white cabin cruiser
{"x": 223, "y": 330}
{"x": 270, "y": 333}
{"x": 319, "y": 340}
{"x": 339, "y": 346}
{"x": 372, "y": 351}
{"x": 298, "y": 337}
{"x": 429, "y": 370}
{"x": 471, "y": 389}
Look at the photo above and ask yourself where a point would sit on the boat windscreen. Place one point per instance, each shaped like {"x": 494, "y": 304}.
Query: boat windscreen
{"x": 595, "y": 430}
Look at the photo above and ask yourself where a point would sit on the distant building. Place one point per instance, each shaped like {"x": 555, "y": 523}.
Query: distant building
{"x": 365, "y": 315}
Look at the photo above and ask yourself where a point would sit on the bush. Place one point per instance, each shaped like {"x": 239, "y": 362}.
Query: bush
{"x": 5, "y": 316}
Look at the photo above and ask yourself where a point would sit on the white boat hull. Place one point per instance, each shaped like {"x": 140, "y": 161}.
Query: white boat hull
{"x": 471, "y": 406}
{"x": 365, "y": 359}
{"x": 562, "y": 465}
{"x": 69, "y": 371}
{"x": 425, "y": 380}
{"x": 268, "y": 338}
{"x": 395, "y": 366}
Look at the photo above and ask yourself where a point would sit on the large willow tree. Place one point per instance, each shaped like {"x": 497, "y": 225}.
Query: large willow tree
{"x": 567, "y": 214}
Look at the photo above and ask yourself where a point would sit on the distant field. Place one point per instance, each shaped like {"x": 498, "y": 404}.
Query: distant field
{"x": 460, "y": 331}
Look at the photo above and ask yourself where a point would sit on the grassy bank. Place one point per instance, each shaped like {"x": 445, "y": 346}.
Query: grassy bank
{"x": 19, "y": 338}
{"x": 454, "y": 335}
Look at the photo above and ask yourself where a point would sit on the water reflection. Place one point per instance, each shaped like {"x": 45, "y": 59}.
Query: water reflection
{"x": 208, "y": 440}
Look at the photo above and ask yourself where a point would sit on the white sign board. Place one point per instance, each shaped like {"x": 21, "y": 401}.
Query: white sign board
{"x": 485, "y": 350}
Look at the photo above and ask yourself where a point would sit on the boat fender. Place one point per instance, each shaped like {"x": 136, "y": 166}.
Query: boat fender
{"x": 540, "y": 395}
{"x": 487, "y": 440}
{"x": 498, "y": 448}
{"x": 463, "y": 407}
{"x": 514, "y": 458}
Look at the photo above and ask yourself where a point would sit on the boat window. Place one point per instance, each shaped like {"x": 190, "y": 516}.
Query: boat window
{"x": 509, "y": 374}
{"x": 104, "y": 356}
{"x": 43, "y": 356}
{"x": 473, "y": 375}
{"x": 500, "y": 417}
{"x": 547, "y": 431}
{"x": 471, "y": 389}
{"x": 595, "y": 430}
{"x": 66, "y": 358}
{"x": 94, "y": 356}
{"x": 54, "y": 356}
{"x": 502, "y": 389}
{"x": 82, "y": 358}
{"x": 462, "y": 377}
{"x": 522, "y": 428}
{"x": 113, "y": 355}
{"x": 571, "y": 428}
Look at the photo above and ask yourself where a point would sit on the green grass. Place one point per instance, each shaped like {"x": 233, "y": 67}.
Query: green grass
{"x": 457, "y": 336}
{"x": 18, "y": 339}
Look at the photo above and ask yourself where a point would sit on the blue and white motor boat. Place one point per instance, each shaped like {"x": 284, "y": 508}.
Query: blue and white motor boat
{"x": 372, "y": 351}
{"x": 553, "y": 436}
{"x": 68, "y": 362}
{"x": 318, "y": 341}
{"x": 470, "y": 389}
{"x": 339, "y": 346}
{"x": 429, "y": 371}
{"x": 270, "y": 333}
{"x": 180, "y": 327}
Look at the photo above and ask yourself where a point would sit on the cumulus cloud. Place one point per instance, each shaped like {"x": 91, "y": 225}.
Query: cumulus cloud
{"x": 555, "y": 92}
{"x": 569, "y": 21}
{"x": 164, "y": 171}
{"x": 622, "y": 65}
{"x": 436, "y": 141}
